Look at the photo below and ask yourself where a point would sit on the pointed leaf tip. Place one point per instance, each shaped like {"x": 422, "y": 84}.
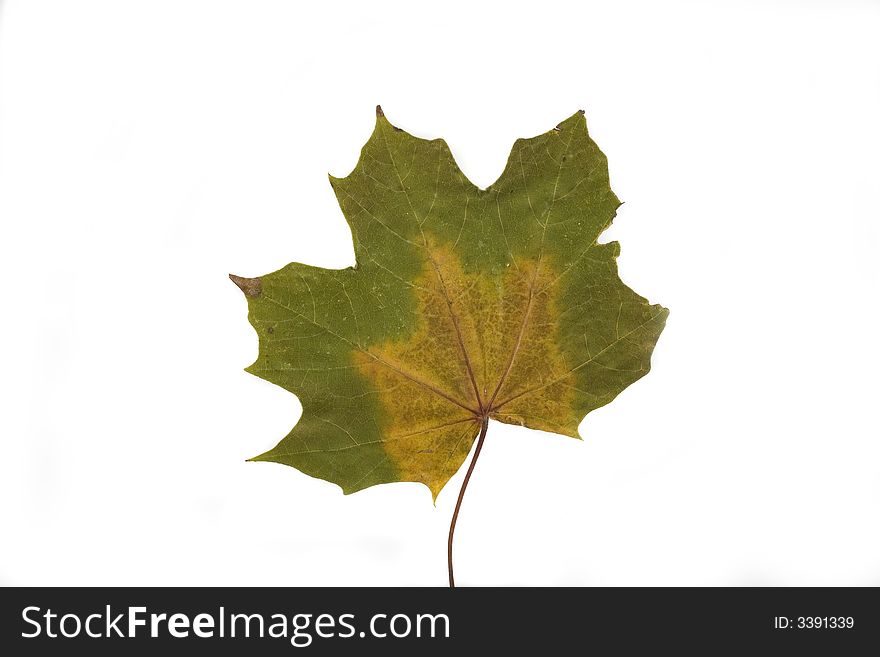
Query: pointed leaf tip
{"x": 576, "y": 119}
{"x": 381, "y": 119}
{"x": 252, "y": 287}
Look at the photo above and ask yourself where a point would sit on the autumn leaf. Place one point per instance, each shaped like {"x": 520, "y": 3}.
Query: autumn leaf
{"x": 465, "y": 305}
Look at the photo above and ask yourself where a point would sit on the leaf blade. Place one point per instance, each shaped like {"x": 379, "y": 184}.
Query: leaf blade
{"x": 465, "y": 303}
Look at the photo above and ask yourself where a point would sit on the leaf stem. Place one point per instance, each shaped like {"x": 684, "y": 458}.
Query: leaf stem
{"x": 467, "y": 478}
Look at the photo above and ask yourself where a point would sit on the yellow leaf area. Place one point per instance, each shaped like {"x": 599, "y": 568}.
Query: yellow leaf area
{"x": 483, "y": 348}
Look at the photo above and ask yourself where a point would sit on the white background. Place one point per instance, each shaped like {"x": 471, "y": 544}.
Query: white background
{"x": 147, "y": 149}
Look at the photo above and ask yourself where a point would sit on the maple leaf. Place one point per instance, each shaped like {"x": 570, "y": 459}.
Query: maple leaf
{"x": 465, "y": 304}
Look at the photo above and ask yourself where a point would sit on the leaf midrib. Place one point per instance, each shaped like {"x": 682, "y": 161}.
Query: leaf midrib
{"x": 484, "y": 411}
{"x": 402, "y": 372}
